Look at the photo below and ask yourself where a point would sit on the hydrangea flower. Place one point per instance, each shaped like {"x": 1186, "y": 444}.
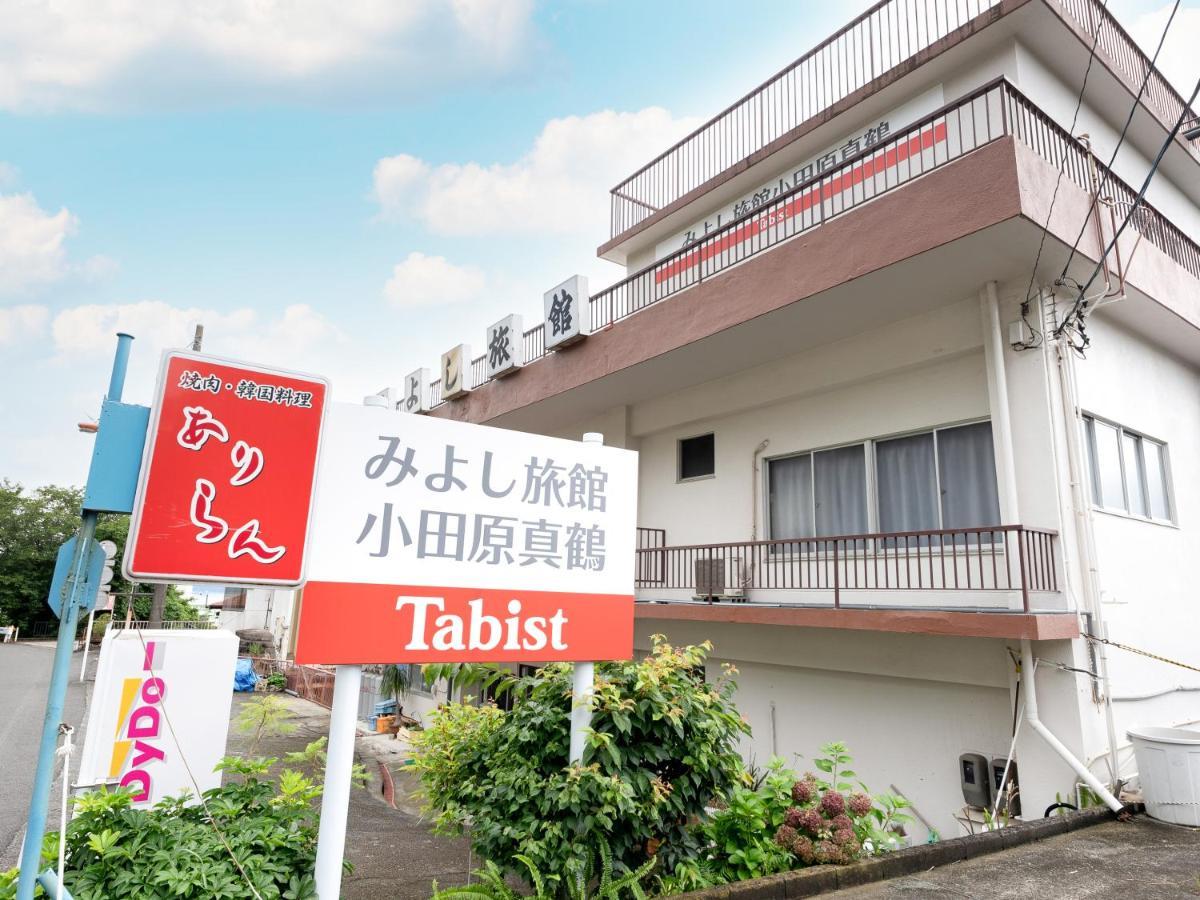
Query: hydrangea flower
{"x": 803, "y": 791}
{"x": 832, "y": 804}
{"x": 860, "y": 804}
{"x": 786, "y": 836}
{"x": 810, "y": 820}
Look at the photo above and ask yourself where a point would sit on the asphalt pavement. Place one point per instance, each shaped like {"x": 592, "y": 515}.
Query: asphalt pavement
{"x": 24, "y": 680}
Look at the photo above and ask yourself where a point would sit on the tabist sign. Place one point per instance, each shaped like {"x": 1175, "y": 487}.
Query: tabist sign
{"x": 440, "y": 541}
{"x": 228, "y": 475}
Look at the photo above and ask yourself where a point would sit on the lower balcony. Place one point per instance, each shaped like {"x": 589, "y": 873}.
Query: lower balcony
{"x": 991, "y": 581}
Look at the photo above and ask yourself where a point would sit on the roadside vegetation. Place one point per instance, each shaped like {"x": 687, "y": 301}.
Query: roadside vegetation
{"x": 662, "y": 802}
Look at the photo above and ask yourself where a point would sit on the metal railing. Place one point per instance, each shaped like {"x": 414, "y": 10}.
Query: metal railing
{"x": 991, "y": 558}
{"x": 1115, "y": 43}
{"x": 992, "y": 111}
{"x": 880, "y": 40}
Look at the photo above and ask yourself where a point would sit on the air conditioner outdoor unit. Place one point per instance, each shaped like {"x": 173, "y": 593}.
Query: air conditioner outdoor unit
{"x": 710, "y": 579}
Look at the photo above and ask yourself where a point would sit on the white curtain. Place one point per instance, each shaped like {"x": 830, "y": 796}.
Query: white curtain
{"x": 967, "y": 469}
{"x": 840, "y": 490}
{"x": 790, "y": 498}
{"x": 907, "y": 484}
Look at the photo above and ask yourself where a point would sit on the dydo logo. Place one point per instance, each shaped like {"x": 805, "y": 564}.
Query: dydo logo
{"x": 137, "y": 745}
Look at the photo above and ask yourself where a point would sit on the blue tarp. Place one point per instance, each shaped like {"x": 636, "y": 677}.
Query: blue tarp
{"x": 244, "y": 678}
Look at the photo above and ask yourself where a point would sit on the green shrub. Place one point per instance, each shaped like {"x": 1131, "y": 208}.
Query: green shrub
{"x": 253, "y": 832}
{"x": 662, "y": 745}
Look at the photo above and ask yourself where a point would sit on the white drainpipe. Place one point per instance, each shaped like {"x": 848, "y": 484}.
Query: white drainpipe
{"x": 993, "y": 354}
{"x": 1031, "y": 716}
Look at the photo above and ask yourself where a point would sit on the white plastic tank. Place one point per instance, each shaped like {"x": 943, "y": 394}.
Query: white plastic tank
{"x": 1168, "y": 761}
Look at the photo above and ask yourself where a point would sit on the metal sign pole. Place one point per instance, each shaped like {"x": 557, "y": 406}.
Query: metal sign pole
{"x": 68, "y": 623}
{"x": 87, "y": 644}
{"x": 335, "y": 798}
{"x": 583, "y": 679}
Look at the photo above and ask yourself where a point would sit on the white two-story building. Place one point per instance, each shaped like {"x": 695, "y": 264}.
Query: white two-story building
{"x": 883, "y": 448}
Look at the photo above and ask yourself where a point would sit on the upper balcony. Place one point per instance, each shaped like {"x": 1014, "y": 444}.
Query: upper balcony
{"x": 887, "y": 42}
{"x": 964, "y": 129}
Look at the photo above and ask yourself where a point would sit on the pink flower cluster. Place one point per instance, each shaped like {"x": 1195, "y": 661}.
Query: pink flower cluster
{"x": 819, "y": 828}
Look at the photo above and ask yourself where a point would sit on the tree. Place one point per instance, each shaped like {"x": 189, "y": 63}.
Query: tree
{"x": 395, "y": 683}
{"x": 663, "y": 745}
{"x": 33, "y": 525}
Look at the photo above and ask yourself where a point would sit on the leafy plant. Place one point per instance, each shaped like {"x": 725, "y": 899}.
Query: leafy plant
{"x": 247, "y": 838}
{"x": 582, "y": 882}
{"x": 490, "y": 679}
{"x": 827, "y": 824}
{"x": 277, "y": 681}
{"x": 256, "y": 650}
{"x": 264, "y": 715}
{"x": 662, "y": 744}
{"x": 742, "y": 835}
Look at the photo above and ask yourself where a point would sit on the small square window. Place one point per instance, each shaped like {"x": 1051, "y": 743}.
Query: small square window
{"x": 697, "y": 457}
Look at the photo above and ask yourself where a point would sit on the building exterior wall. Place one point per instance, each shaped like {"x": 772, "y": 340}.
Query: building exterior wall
{"x": 1146, "y": 579}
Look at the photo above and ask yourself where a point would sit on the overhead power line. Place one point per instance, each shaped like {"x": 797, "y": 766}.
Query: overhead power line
{"x": 1062, "y": 165}
{"x": 1120, "y": 140}
{"x": 1080, "y": 307}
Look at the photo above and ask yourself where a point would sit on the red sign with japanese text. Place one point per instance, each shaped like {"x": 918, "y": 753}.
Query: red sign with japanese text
{"x": 228, "y": 474}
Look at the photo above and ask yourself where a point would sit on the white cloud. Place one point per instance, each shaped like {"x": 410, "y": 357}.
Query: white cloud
{"x": 20, "y": 323}
{"x": 115, "y": 54}
{"x": 560, "y": 186}
{"x": 8, "y": 174}
{"x": 431, "y": 281}
{"x": 300, "y": 338}
{"x": 31, "y": 243}
{"x": 1178, "y": 59}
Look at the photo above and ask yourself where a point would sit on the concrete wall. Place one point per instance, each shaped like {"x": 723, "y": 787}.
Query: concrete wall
{"x": 1146, "y": 569}
{"x": 905, "y": 705}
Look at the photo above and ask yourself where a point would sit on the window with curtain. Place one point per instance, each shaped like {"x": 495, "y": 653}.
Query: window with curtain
{"x": 943, "y": 478}
{"x": 818, "y": 494}
{"x": 1129, "y": 471}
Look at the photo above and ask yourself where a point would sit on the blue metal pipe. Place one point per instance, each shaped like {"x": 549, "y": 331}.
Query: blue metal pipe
{"x": 68, "y": 624}
{"x": 49, "y": 882}
{"x": 116, "y": 382}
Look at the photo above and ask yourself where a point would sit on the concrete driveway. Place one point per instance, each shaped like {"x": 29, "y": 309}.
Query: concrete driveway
{"x": 1142, "y": 858}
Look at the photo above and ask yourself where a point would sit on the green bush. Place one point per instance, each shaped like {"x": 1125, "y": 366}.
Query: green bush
{"x": 662, "y": 746}
{"x": 253, "y": 832}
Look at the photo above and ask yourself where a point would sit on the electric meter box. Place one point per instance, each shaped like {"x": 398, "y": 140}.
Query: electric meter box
{"x": 974, "y": 771}
{"x": 1010, "y": 800}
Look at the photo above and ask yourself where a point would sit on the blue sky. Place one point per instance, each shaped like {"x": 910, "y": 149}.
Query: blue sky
{"x": 348, "y": 188}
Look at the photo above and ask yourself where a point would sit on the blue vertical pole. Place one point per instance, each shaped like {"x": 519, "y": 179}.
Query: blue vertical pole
{"x": 68, "y": 623}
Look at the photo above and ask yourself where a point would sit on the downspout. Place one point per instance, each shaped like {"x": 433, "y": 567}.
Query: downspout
{"x": 1085, "y": 540}
{"x": 754, "y": 489}
{"x": 747, "y": 574}
{"x": 1031, "y": 716}
{"x": 997, "y": 384}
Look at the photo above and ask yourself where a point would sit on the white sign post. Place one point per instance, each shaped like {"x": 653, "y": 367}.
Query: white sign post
{"x": 583, "y": 679}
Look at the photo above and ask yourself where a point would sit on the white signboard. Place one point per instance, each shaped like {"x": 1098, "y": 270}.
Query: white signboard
{"x": 567, "y": 312}
{"x": 505, "y": 345}
{"x": 875, "y": 132}
{"x": 437, "y": 540}
{"x": 416, "y": 392}
{"x": 456, "y": 372}
{"x": 161, "y": 697}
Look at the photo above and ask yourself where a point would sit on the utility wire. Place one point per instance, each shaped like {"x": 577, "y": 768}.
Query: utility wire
{"x": 1080, "y": 306}
{"x": 1121, "y": 139}
{"x": 1062, "y": 165}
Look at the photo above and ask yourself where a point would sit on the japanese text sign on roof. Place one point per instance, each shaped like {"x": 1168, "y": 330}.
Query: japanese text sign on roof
{"x": 567, "y": 312}
{"x": 505, "y": 351}
{"x": 436, "y": 540}
{"x": 227, "y": 478}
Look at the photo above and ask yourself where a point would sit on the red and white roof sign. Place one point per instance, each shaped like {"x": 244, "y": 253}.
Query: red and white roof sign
{"x": 228, "y": 474}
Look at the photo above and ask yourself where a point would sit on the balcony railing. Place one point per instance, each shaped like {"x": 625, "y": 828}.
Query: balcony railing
{"x": 965, "y": 561}
{"x": 991, "y": 112}
{"x": 880, "y": 40}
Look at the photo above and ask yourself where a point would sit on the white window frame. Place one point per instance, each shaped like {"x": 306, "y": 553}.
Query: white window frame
{"x": 1087, "y": 422}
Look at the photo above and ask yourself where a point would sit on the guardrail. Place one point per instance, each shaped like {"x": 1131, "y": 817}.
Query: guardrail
{"x": 881, "y": 40}
{"x": 991, "y": 558}
{"x": 992, "y": 111}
